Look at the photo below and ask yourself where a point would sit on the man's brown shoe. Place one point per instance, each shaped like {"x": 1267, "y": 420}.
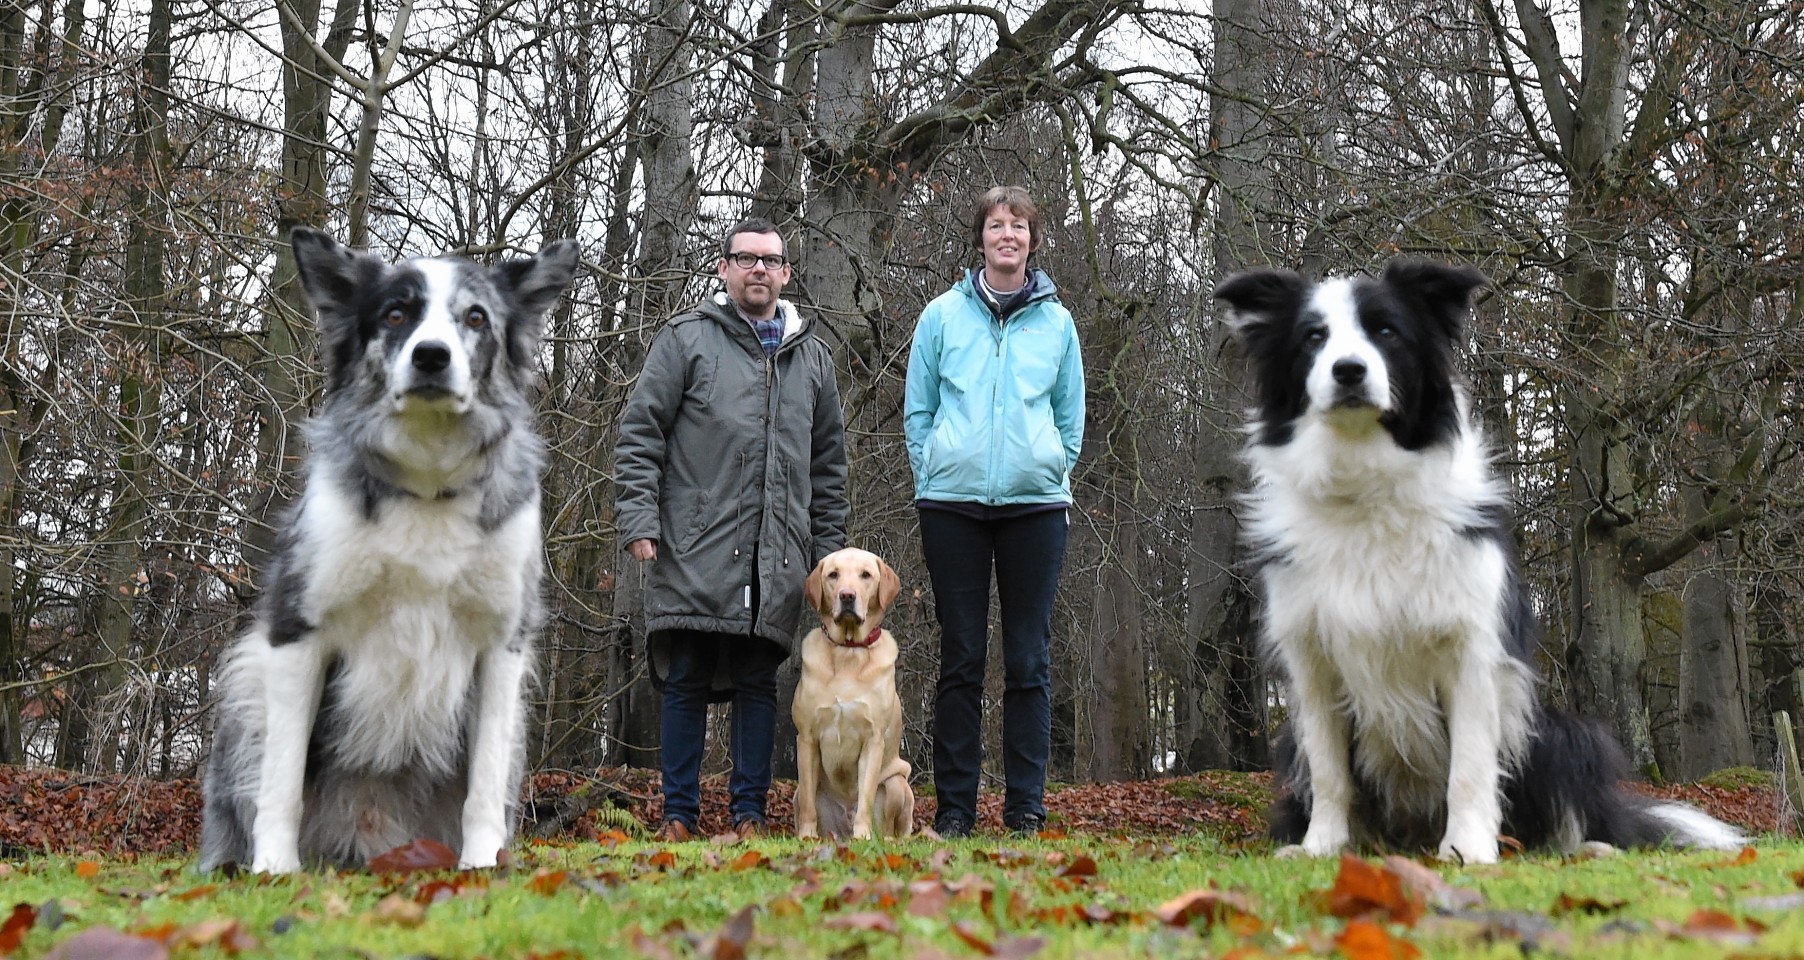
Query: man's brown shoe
{"x": 751, "y": 829}
{"x": 674, "y": 831}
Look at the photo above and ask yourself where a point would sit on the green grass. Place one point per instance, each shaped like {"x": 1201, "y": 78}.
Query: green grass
{"x": 1740, "y": 778}
{"x": 586, "y": 900}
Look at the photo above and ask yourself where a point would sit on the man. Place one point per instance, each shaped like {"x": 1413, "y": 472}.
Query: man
{"x": 731, "y": 471}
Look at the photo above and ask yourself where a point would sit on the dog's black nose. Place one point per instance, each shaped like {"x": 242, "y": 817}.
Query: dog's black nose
{"x": 1349, "y": 372}
{"x": 433, "y": 356}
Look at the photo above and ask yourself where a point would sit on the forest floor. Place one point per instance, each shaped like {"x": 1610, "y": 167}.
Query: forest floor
{"x": 45, "y": 811}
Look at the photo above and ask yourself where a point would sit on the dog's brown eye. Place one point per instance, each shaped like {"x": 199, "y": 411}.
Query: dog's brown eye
{"x": 395, "y": 318}
{"x": 475, "y": 318}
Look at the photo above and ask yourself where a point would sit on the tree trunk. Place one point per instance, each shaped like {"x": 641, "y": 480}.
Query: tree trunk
{"x": 1778, "y": 650}
{"x": 668, "y": 164}
{"x": 1713, "y": 672}
{"x": 1118, "y": 738}
{"x": 23, "y": 107}
{"x": 1223, "y": 719}
{"x": 16, "y": 222}
{"x": 286, "y": 366}
{"x": 139, "y": 414}
{"x": 1587, "y": 115}
{"x": 1608, "y": 647}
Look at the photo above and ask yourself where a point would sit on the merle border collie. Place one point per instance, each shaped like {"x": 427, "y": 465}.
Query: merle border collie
{"x": 379, "y": 695}
{"x": 1392, "y": 599}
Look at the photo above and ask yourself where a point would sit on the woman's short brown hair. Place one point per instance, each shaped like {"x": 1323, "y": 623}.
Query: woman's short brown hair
{"x": 1018, "y": 202}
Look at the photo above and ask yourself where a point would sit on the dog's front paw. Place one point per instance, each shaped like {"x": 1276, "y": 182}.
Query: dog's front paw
{"x": 1291, "y": 851}
{"x": 288, "y": 861}
{"x": 474, "y": 861}
{"x": 808, "y": 831}
{"x": 1324, "y": 839}
{"x": 1468, "y": 850}
{"x": 861, "y": 831}
{"x": 480, "y": 852}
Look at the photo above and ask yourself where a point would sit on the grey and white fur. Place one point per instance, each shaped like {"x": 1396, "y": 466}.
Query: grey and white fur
{"x": 379, "y": 695}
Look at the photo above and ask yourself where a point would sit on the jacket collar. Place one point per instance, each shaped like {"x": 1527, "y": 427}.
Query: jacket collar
{"x": 1040, "y": 280}
{"x": 728, "y": 313}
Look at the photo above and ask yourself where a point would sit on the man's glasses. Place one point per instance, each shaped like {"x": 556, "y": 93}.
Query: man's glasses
{"x": 746, "y": 261}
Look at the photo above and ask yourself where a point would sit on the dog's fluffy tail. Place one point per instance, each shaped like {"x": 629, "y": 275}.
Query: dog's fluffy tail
{"x": 1568, "y": 791}
{"x": 1687, "y": 826}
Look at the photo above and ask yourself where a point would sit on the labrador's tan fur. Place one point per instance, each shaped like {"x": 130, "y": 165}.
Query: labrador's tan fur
{"x": 848, "y": 718}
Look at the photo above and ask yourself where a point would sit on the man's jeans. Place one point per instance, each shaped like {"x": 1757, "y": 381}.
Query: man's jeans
{"x": 1025, "y": 554}
{"x": 751, "y": 664}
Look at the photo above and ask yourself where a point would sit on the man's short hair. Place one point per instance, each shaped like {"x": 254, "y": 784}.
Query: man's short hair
{"x": 1018, "y": 202}
{"x": 751, "y": 225}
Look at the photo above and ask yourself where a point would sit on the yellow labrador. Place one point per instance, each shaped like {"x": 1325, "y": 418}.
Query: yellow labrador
{"x": 848, "y": 718}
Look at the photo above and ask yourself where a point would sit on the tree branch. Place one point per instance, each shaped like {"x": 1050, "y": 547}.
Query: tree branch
{"x": 1651, "y": 559}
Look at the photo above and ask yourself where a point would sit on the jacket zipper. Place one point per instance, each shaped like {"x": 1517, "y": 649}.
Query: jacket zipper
{"x": 996, "y": 411}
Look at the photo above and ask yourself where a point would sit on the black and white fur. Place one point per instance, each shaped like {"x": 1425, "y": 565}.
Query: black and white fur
{"x": 1392, "y": 598}
{"x": 379, "y": 696}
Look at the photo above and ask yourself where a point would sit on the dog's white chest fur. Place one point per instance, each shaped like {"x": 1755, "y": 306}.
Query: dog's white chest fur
{"x": 840, "y": 728}
{"x": 408, "y": 602}
{"x": 1376, "y": 583}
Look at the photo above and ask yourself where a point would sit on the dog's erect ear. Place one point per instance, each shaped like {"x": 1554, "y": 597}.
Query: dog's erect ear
{"x": 334, "y": 278}
{"x": 330, "y": 271}
{"x": 1440, "y": 291}
{"x": 1256, "y": 297}
{"x": 534, "y": 284}
{"x": 889, "y": 586}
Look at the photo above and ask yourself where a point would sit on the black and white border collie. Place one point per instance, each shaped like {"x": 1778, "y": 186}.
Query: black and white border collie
{"x": 379, "y": 695}
{"x": 1392, "y": 599}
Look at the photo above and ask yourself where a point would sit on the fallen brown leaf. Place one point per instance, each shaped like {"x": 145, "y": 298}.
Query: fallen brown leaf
{"x": 102, "y": 943}
{"x": 749, "y": 860}
{"x": 1568, "y": 904}
{"x": 1714, "y": 926}
{"x": 928, "y": 898}
{"x": 1742, "y": 859}
{"x": 1424, "y": 885}
{"x": 227, "y": 934}
{"x": 647, "y": 946}
{"x": 869, "y": 920}
{"x": 729, "y": 943}
{"x": 1360, "y": 889}
{"x": 1212, "y": 907}
{"x": 438, "y": 891}
{"x": 1365, "y": 940}
{"x": 422, "y": 854}
{"x": 1018, "y": 946}
{"x": 1080, "y": 866}
{"x": 964, "y": 931}
{"x": 17, "y": 925}
{"x": 399, "y": 911}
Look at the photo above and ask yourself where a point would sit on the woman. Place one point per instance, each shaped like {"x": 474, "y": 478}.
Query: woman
{"x": 994, "y": 417}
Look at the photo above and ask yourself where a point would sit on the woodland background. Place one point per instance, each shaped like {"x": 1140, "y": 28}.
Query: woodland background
{"x": 1627, "y": 172}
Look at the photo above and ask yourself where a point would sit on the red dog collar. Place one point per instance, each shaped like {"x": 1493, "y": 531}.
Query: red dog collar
{"x": 870, "y": 639}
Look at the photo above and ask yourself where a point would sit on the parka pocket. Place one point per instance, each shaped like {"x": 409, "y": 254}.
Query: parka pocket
{"x": 689, "y": 517}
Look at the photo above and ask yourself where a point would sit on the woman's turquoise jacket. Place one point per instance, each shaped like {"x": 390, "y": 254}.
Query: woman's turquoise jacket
{"x": 994, "y": 411}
